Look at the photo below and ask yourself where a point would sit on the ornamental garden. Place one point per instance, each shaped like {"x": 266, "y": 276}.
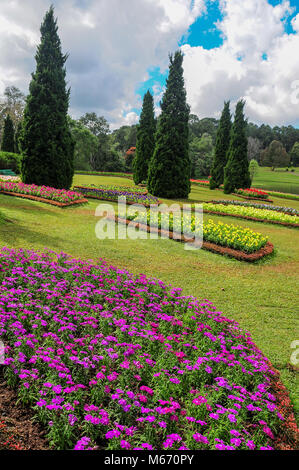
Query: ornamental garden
{"x": 134, "y": 344}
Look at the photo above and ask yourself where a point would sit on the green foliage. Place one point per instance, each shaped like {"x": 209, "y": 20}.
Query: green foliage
{"x": 170, "y": 169}
{"x": 275, "y": 155}
{"x": 201, "y": 156}
{"x": 86, "y": 145}
{"x": 253, "y": 169}
{"x": 18, "y": 135}
{"x": 295, "y": 154}
{"x": 46, "y": 141}
{"x": 236, "y": 172}
{"x": 10, "y": 161}
{"x": 8, "y": 142}
{"x": 145, "y": 144}
{"x": 221, "y": 148}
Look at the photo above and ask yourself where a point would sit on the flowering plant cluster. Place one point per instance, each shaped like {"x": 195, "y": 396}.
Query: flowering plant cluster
{"x": 130, "y": 189}
{"x": 110, "y": 360}
{"x": 295, "y": 197}
{"x": 9, "y": 178}
{"x": 245, "y": 211}
{"x": 252, "y": 192}
{"x": 270, "y": 207}
{"x": 227, "y": 235}
{"x": 107, "y": 194}
{"x": 201, "y": 182}
{"x": 45, "y": 192}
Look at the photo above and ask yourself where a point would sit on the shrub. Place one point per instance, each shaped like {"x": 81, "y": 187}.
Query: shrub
{"x": 10, "y": 161}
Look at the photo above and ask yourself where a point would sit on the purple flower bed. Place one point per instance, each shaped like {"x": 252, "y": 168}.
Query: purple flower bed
{"x": 109, "y": 360}
{"x": 113, "y": 195}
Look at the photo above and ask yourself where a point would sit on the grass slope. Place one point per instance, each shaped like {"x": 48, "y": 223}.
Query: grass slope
{"x": 262, "y": 297}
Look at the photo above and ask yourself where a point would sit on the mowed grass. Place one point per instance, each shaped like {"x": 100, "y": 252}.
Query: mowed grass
{"x": 262, "y": 297}
{"x": 278, "y": 180}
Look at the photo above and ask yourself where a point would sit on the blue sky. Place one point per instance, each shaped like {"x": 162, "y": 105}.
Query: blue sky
{"x": 205, "y": 33}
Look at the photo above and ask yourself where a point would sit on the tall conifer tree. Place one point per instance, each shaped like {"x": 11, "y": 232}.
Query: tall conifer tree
{"x": 170, "y": 168}
{"x": 236, "y": 172}
{"x": 46, "y": 142}
{"x": 221, "y": 148}
{"x": 8, "y": 138}
{"x": 145, "y": 143}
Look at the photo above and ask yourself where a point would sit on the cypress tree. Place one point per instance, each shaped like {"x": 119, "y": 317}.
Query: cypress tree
{"x": 145, "y": 143}
{"x": 221, "y": 148}
{"x": 170, "y": 168}
{"x": 236, "y": 171}
{"x": 8, "y": 142}
{"x": 46, "y": 142}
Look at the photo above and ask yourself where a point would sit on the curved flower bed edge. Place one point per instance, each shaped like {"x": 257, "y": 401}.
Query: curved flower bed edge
{"x": 46, "y": 201}
{"x": 268, "y": 249}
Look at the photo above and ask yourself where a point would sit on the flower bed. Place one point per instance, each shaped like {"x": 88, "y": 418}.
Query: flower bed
{"x": 114, "y": 194}
{"x": 109, "y": 360}
{"x": 7, "y": 178}
{"x": 57, "y": 197}
{"x": 252, "y": 213}
{"x": 252, "y": 193}
{"x": 130, "y": 189}
{"x": 294, "y": 197}
{"x": 105, "y": 173}
{"x": 205, "y": 183}
{"x": 285, "y": 210}
{"x": 231, "y": 236}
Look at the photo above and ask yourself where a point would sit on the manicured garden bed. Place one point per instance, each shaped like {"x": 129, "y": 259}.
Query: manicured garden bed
{"x": 251, "y": 213}
{"x": 240, "y": 255}
{"x": 284, "y": 209}
{"x": 56, "y": 197}
{"x": 106, "y": 194}
{"x": 252, "y": 193}
{"x": 109, "y": 360}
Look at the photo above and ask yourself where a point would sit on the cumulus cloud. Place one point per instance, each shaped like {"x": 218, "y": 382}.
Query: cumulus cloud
{"x": 256, "y": 61}
{"x": 111, "y": 44}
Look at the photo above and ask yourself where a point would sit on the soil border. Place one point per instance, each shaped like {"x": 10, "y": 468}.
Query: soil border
{"x": 222, "y": 250}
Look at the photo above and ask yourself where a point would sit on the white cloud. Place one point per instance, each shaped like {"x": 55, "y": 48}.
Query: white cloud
{"x": 111, "y": 44}
{"x": 237, "y": 69}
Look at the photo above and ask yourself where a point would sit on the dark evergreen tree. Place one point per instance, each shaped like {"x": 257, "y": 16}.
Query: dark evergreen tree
{"x": 46, "y": 142}
{"x": 170, "y": 167}
{"x": 236, "y": 172}
{"x": 145, "y": 144}
{"x": 8, "y": 137}
{"x": 221, "y": 148}
{"x": 18, "y": 134}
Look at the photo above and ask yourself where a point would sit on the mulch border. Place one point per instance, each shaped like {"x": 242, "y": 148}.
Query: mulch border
{"x": 255, "y": 219}
{"x": 239, "y": 255}
{"x": 46, "y": 201}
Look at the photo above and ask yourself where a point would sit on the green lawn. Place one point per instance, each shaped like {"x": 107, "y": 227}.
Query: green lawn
{"x": 278, "y": 180}
{"x": 262, "y": 297}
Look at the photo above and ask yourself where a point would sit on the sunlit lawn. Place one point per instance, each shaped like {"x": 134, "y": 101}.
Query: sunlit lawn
{"x": 262, "y": 297}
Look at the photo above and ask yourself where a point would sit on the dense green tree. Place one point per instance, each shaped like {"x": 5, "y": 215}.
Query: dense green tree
{"x": 236, "y": 171}
{"x": 170, "y": 169}
{"x": 221, "y": 148}
{"x": 275, "y": 155}
{"x": 86, "y": 145}
{"x": 295, "y": 154}
{"x": 18, "y": 135}
{"x": 8, "y": 136}
{"x": 201, "y": 153}
{"x": 145, "y": 143}
{"x": 46, "y": 142}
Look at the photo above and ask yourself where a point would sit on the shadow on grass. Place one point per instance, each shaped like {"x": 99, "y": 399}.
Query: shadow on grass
{"x": 12, "y": 231}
